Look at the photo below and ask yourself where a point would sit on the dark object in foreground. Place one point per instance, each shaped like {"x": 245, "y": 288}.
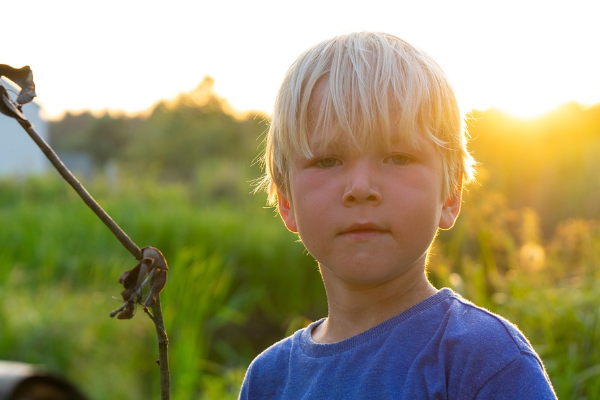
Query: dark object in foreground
{"x": 20, "y": 381}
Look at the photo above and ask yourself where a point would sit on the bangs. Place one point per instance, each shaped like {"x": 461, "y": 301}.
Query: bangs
{"x": 362, "y": 90}
{"x": 358, "y": 123}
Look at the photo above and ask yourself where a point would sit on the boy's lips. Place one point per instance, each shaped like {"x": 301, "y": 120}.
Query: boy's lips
{"x": 362, "y": 231}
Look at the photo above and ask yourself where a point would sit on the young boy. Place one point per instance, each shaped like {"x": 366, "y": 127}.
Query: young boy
{"x": 366, "y": 158}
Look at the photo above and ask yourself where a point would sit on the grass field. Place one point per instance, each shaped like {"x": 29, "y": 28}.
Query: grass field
{"x": 239, "y": 281}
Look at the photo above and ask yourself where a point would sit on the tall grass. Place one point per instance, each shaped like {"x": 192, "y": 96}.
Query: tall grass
{"x": 497, "y": 257}
{"x": 238, "y": 282}
{"x": 60, "y": 267}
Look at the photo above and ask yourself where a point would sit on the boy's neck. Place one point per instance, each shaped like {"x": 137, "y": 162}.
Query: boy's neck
{"x": 354, "y": 309}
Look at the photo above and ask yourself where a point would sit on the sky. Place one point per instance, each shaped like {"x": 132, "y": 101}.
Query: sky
{"x": 525, "y": 57}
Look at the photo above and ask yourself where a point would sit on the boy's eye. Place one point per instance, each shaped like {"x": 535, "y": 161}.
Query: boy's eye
{"x": 327, "y": 162}
{"x": 399, "y": 159}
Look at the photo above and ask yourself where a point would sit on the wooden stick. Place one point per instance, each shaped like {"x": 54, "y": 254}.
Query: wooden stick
{"x": 81, "y": 191}
{"x": 163, "y": 341}
{"x": 163, "y": 353}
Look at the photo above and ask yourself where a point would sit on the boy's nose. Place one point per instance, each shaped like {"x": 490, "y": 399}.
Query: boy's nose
{"x": 361, "y": 187}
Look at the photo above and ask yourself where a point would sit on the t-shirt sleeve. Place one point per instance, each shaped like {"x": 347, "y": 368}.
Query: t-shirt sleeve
{"x": 266, "y": 374}
{"x": 523, "y": 378}
{"x": 244, "y": 395}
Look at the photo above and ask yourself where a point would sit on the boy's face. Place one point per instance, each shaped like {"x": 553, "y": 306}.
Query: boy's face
{"x": 368, "y": 217}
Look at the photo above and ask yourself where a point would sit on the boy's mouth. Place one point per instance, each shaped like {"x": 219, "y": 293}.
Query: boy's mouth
{"x": 362, "y": 231}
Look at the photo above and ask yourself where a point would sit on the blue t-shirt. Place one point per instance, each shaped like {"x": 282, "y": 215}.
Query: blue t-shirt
{"x": 442, "y": 348}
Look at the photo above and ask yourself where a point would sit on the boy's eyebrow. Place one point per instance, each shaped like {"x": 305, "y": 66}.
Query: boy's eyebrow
{"x": 338, "y": 144}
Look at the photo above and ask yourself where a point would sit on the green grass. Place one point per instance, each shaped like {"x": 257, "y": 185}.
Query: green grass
{"x": 59, "y": 272}
{"x": 238, "y": 282}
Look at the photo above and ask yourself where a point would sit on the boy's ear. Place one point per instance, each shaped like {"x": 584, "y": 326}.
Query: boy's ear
{"x": 286, "y": 212}
{"x": 451, "y": 208}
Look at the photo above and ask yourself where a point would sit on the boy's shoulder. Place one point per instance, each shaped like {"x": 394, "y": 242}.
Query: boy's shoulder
{"x": 444, "y": 340}
{"x": 445, "y": 320}
{"x": 269, "y": 369}
{"x": 478, "y": 328}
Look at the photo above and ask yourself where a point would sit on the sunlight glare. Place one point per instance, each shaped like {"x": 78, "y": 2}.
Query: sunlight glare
{"x": 513, "y": 61}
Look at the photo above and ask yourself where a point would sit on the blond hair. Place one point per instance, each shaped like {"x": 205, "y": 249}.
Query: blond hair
{"x": 375, "y": 87}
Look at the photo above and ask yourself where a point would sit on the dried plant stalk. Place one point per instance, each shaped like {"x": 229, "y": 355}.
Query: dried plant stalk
{"x": 81, "y": 191}
{"x": 156, "y": 316}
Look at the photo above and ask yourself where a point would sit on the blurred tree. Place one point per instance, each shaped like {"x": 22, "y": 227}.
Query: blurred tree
{"x": 107, "y": 138}
{"x": 100, "y": 137}
{"x": 175, "y": 141}
{"x": 196, "y": 128}
{"x": 71, "y": 132}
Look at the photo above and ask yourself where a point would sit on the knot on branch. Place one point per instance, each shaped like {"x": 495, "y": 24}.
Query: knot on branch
{"x": 151, "y": 271}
